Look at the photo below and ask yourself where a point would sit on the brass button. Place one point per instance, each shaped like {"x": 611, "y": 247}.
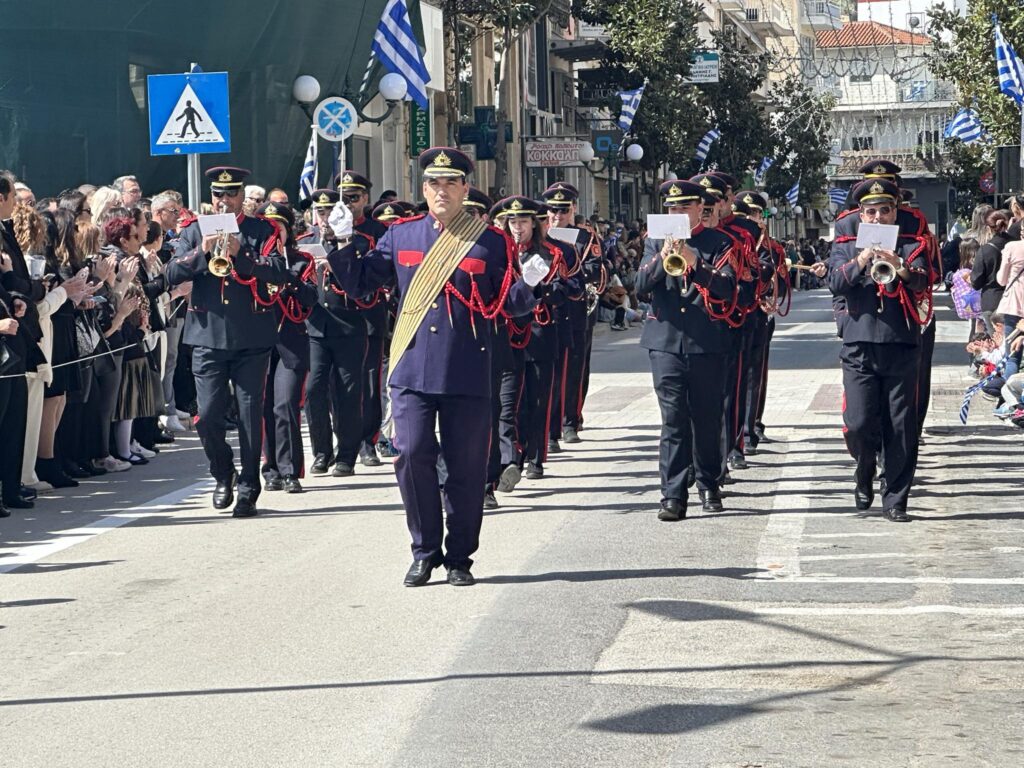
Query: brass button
{"x": 433, "y": 329}
{"x": 682, "y": 309}
{"x": 483, "y": 349}
{"x": 434, "y": 305}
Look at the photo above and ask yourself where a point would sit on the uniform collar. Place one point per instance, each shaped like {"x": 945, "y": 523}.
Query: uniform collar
{"x": 698, "y": 229}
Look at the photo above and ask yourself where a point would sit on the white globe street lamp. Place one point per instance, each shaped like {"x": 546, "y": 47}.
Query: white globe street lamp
{"x": 634, "y": 153}
{"x": 798, "y": 210}
{"x": 306, "y": 89}
{"x": 393, "y": 87}
{"x": 773, "y": 210}
{"x": 586, "y": 152}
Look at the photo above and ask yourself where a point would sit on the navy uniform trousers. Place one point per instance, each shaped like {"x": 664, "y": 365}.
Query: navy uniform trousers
{"x": 246, "y": 369}
{"x": 505, "y": 403}
{"x": 756, "y": 413}
{"x": 577, "y": 377}
{"x": 757, "y": 374}
{"x": 372, "y": 405}
{"x": 561, "y": 366}
{"x": 334, "y": 396}
{"x": 465, "y": 424}
{"x": 282, "y": 412}
{"x": 690, "y": 419}
{"x": 735, "y": 392}
{"x": 924, "y": 377}
{"x": 535, "y": 408}
{"x": 880, "y": 414}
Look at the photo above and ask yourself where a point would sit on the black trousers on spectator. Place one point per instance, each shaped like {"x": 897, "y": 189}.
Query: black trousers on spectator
{"x": 13, "y": 415}
{"x": 339, "y": 407}
{"x": 924, "y": 375}
{"x": 282, "y": 421}
{"x": 373, "y": 410}
{"x": 689, "y": 390}
{"x": 246, "y": 370}
{"x": 535, "y": 411}
{"x": 70, "y": 444}
{"x": 757, "y": 377}
{"x": 880, "y": 414}
{"x": 99, "y": 410}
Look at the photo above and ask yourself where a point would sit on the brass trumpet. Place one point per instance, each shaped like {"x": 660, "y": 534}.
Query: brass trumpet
{"x": 673, "y": 261}
{"x": 220, "y": 262}
{"x": 882, "y": 272}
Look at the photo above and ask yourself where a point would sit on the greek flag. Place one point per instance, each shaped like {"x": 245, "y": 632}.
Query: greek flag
{"x": 965, "y": 126}
{"x": 762, "y": 170}
{"x": 965, "y": 404}
{"x": 1009, "y": 66}
{"x": 794, "y": 194}
{"x": 837, "y": 196}
{"x": 395, "y": 46}
{"x": 705, "y": 144}
{"x": 630, "y": 104}
{"x": 307, "y": 181}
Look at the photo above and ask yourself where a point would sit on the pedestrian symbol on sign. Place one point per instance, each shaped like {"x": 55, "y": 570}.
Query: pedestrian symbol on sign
{"x": 189, "y": 116}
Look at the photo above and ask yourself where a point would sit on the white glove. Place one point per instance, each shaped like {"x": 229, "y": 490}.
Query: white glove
{"x": 534, "y": 270}
{"x": 341, "y": 220}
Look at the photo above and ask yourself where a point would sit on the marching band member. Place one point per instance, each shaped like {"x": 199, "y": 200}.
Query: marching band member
{"x": 453, "y": 273}
{"x": 283, "y": 461}
{"x": 232, "y": 329}
{"x": 687, "y": 347}
{"x": 879, "y": 321}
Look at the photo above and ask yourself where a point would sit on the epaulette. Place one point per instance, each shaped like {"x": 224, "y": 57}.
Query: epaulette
{"x": 847, "y": 212}
{"x": 407, "y": 219}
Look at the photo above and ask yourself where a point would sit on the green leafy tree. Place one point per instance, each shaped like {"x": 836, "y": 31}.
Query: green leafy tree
{"x": 964, "y": 166}
{"x": 964, "y": 54}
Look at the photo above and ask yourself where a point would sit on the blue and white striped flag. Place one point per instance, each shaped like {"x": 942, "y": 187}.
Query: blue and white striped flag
{"x": 1009, "y": 66}
{"x": 793, "y": 196}
{"x": 965, "y": 126}
{"x": 762, "y": 170}
{"x": 307, "y": 181}
{"x": 630, "y": 104}
{"x": 394, "y": 44}
{"x": 965, "y": 404}
{"x": 837, "y": 196}
{"x": 705, "y": 144}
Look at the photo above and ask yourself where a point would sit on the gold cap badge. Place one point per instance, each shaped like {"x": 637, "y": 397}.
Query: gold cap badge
{"x": 271, "y": 210}
{"x": 674, "y": 190}
{"x": 877, "y": 189}
{"x": 706, "y": 182}
{"x": 442, "y": 160}
{"x": 347, "y": 178}
{"x": 748, "y": 200}
{"x": 558, "y": 196}
{"x": 879, "y": 169}
{"x": 224, "y": 176}
{"x": 515, "y": 205}
{"x": 324, "y": 199}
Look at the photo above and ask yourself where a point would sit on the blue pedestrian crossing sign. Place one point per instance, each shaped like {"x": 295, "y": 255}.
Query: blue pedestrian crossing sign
{"x": 335, "y": 118}
{"x": 189, "y": 113}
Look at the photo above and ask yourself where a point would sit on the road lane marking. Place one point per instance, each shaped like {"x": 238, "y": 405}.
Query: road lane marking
{"x": 868, "y": 556}
{"x": 906, "y": 610}
{"x": 111, "y": 519}
{"x": 778, "y": 551}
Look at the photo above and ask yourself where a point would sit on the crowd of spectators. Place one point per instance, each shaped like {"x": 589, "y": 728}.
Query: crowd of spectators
{"x": 89, "y": 335}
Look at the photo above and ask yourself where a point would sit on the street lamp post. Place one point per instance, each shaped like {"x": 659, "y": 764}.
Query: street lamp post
{"x": 634, "y": 153}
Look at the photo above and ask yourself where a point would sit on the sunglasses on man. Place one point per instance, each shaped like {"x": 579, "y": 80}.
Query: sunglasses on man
{"x": 225, "y": 192}
{"x": 882, "y": 210}
{"x": 349, "y": 199}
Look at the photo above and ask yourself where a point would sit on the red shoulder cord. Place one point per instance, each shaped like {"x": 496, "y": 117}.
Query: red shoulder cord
{"x": 475, "y": 302}
{"x": 724, "y": 310}
{"x": 909, "y": 300}
{"x": 541, "y": 312}
{"x": 269, "y": 246}
{"x": 291, "y": 307}
{"x": 782, "y": 274}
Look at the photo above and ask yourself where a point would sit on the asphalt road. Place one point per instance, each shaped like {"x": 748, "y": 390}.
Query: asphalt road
{"x": 139, "y": 627}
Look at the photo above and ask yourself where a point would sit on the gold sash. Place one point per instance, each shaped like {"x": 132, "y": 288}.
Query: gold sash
{"x": 438, "y": 265}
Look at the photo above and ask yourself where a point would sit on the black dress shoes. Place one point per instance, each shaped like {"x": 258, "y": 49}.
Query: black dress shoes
{"x": 19, "y": 503}
{"x": 459, "y": 576}
{"x": 342, "y": 469}
{"x": 292, "y": 485}
{"x": 896, "y": 515}
{"x": 553, "y": 446}
{"x": 672, "y": 510}
{"x": 368, "y": 456}
{"x": 28, "y": 494}
{"x": 4, "y": 511}
{"x": 711, "y": 501}
{"x": 736, "y": 461}
{"x": 419, "y": 573}
{"x": 534, "y": 472}
{"x": 489, "y": 501}
{"x": 245, "y": 507}
{"x": 863, "y": 495}
{"x": 569, "y": 435}
{"x": 273, "y": 484}
{"x": 224, "y": 493}
{"x": 320, "y": 465}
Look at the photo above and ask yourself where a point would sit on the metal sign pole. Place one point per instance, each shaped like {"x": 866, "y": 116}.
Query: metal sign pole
{"x": 194, "y": 199}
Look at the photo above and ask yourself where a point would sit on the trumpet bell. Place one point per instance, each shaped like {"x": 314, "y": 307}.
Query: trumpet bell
{"x": 882, "y": 272}
{"x": 674, "y": 265}
{"x": 220, "y": 266}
